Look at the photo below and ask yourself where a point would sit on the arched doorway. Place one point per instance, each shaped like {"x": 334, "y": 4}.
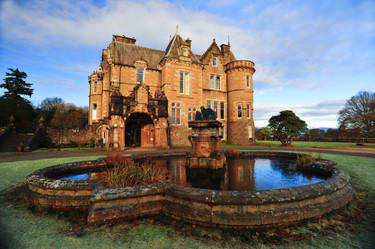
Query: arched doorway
{"x": 139, "y": 130}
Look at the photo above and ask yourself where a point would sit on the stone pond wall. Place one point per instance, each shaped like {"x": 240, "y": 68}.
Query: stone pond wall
{"x": 45, "y": 192}
{"x": 228, "y": 209}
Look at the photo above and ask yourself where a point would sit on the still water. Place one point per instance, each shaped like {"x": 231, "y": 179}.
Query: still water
{"x": 239, "y": 174}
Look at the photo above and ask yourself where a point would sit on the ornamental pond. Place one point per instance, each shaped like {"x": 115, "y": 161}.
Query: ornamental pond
{"x": 251, "y": 190}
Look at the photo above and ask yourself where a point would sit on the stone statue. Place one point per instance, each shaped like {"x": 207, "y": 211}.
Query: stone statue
{"x": 205, "y": 114}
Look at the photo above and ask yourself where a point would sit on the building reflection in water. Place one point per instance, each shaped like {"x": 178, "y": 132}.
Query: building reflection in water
{"x": 239, "y": 176}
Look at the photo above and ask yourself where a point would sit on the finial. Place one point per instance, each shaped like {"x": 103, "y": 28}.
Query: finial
{"x": 214, "y": 40}
{"x": 177, "y": 29}
{"x": 228, "y": 41}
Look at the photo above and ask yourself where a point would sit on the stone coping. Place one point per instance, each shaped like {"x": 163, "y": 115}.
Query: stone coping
{"x": 233, "y": 209}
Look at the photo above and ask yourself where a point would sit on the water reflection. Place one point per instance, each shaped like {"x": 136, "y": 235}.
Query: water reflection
{"x": 241, "y": 174}
{"x": 238, "y": 174}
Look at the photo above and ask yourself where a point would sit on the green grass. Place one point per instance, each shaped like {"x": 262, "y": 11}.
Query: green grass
{"x": 23, "y": 228}
{"x": 305, "y": 144}
{"x": 68, "y": 149}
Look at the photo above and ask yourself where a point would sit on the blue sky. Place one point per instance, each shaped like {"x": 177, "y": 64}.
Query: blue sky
{"x": 310, "y": 56}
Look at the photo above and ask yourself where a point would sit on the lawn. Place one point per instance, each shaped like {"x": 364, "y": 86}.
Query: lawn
{"x": 22, "y": 228}
{"x": 306, "y": 144}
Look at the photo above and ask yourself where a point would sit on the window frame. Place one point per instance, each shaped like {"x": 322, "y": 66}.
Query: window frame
{"x": 208, "y": 103}
{"x": 94, "y": 110}
{"x": 222, "y": 110}
{"x": 182, "y": 88}
{"x": 216, "y": 109}
{"x": 214, "y": 61}
{"x": 95, "y": 88}
{"x": 247, "y": 81}
{"x": 212, "y": 81}
{"x": 176, "y": 113}
{"x": 239, "y": 110}
{"x": 184, "y": 83}
{"x": 185, "y": 52}
{"x": 248, "y": 111}
{"x": 138, "y": 73}
{"x": 218, "y": 82}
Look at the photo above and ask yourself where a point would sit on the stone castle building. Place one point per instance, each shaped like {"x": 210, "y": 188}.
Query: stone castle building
{"x": 141, "y": 96}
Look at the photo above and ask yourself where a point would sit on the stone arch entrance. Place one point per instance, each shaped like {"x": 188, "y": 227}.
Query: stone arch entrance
{"x": 139, "y": 130}
{"x": 102, "y": 135}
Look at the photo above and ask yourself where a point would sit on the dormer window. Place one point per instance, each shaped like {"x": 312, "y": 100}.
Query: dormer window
{"x": 140, "y": 74}
{"x": 214, "y": 62}
{"x": 185, "y": 52}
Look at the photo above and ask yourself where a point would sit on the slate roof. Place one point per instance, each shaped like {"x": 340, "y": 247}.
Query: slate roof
{"x": 127, "y": 54}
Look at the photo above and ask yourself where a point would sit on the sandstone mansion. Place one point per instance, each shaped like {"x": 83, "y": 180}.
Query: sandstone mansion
{"x": 145, "y": 97}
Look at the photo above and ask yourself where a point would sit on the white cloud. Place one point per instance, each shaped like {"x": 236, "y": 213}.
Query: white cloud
{"x": 292, "y": 43}
{"x": 323, "y": 114}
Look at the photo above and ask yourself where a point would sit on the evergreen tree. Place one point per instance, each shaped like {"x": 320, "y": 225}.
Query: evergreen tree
{"x": 12, "y": 104}
{"x": 15, "y": 83}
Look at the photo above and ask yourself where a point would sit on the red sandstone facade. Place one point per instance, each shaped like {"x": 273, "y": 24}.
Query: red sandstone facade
{"x": 145, "y": 97}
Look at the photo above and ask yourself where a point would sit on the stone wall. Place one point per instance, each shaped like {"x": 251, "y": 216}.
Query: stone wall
{"x": 45, "y": 192}
{"x": 69, "y": 136}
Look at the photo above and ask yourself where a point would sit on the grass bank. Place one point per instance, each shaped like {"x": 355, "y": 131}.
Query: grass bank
{"x": 22, "y": 228}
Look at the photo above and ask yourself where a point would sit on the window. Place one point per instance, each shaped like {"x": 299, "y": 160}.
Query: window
{"x": 222, "y": 110}
{"x": 218, "y": 82}
{"x": 178, "y": 116}
{"x": 208, "y": 103}
{"x": 239, "y": 111}
{"x": 95, "y": 86}
{"x": 247, "y": 81}
{"x": 187, "y": 84}
{"x": 94, "y": 107}
{"x": 140, "y": 71}
{"x": 176, "y": 113}
{"x": 214, "y": 62}
{"x": 184, "y": 83}
{"x": 215, "y": 107}
{"x": 212, "y": 81}
{"x": 248, "y": 110}
{"x": 173, "y": 113}
{"x": 191, "y": 114}
{"x": 184, "y": 52}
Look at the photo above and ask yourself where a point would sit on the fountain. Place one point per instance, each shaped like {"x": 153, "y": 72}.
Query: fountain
{"x": 205, "y": 141}
{"x": 232, "y": 198}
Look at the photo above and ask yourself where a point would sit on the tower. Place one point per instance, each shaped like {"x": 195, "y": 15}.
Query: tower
{"x": 240, "y": 101}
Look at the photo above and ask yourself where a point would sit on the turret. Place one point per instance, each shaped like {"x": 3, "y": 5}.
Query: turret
{"x": 240, "y": 101}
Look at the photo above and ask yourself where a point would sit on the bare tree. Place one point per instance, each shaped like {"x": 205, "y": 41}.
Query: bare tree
{"x": 359, "y": 112}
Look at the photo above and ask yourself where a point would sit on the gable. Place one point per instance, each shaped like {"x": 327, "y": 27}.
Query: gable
{"x": 212, "y": 50}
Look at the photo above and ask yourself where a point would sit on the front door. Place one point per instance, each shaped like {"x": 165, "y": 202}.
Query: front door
{"x": 139, "y": 130}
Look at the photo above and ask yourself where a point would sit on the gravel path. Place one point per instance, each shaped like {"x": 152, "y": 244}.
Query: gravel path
{"x": 21, "y": 156}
